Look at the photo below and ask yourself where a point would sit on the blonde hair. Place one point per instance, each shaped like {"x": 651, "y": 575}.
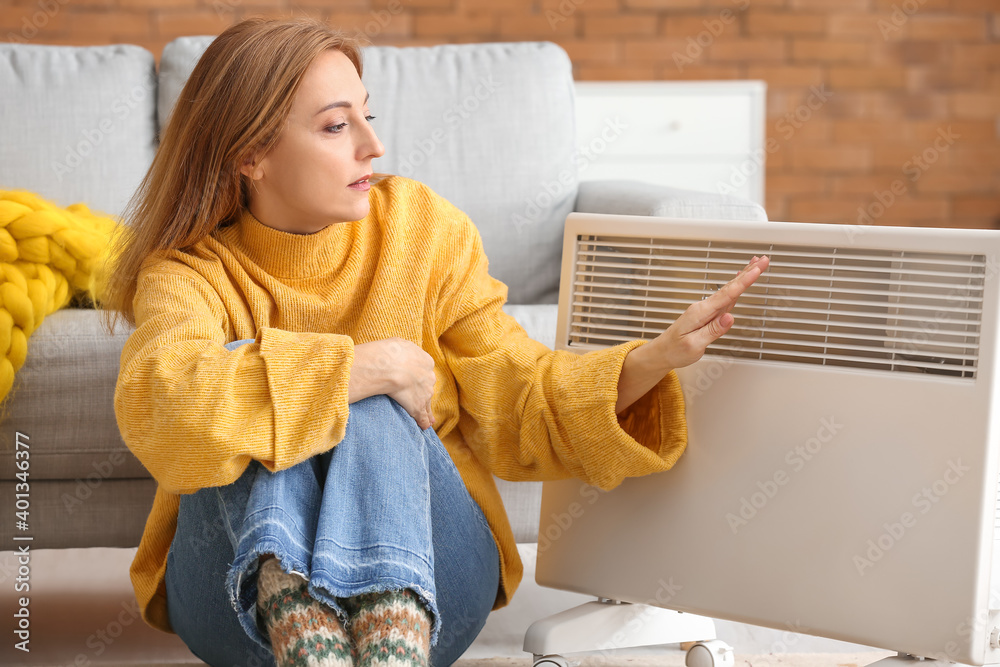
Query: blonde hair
{"x": 232, "y": 110}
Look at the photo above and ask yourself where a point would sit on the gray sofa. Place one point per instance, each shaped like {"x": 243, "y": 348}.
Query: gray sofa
{"x": 488, "y": 126}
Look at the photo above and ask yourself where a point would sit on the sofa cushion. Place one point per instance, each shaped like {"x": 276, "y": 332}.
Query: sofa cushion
{"x": 488, "y": 126}
{"x": 83, "y": 128}
{"x": 82, "y": 512}
{"x": 63, "y": 401}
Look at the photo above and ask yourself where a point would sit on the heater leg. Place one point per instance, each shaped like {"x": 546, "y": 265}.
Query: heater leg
{"x": 906, "y": 660}
{"x": 608, "y": 625}
{"x": 551, "y": 661}
{"x": 714, "y": 653}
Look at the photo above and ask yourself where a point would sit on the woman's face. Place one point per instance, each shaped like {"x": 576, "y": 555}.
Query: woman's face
{"x": 310, "y": 178}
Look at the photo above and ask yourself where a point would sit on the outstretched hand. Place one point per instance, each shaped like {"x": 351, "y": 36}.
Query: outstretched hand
{"x": 684, "y": 341}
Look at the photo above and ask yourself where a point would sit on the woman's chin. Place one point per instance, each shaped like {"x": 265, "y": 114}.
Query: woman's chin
{"x": 360, "y": 212}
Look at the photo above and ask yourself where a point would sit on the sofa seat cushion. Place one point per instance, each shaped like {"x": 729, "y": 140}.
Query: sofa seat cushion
{"x": 90, "y": 511}
{"x": 62, "y": 401}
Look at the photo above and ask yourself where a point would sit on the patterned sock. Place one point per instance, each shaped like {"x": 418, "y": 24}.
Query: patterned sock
{"x": 304, "y": 632}
{"x": 389, "y": 629}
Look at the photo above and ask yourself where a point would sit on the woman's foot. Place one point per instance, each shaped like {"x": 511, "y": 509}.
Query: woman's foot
{"x": 389, "y": 629}
{"x": 303, "y": 631}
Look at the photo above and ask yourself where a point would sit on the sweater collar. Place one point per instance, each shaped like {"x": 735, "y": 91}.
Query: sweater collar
{"x": 286, "y": 254}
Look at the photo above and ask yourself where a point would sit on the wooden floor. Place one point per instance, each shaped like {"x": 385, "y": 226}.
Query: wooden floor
{"x": 670, "y": 658}
{"x": 676, "y": 659}
{"x": 83, "y": 613}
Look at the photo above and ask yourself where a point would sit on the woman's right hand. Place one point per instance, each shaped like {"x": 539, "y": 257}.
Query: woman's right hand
{"x": 398, "y": 368}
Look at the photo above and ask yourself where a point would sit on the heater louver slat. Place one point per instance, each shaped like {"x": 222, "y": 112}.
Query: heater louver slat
{"x": 886, "y": 310}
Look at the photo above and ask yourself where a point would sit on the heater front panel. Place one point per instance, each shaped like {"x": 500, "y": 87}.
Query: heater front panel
{"x": 804, "y": 501}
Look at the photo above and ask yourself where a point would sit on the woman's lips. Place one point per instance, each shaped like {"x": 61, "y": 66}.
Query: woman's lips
{"x": 362, "y": 186}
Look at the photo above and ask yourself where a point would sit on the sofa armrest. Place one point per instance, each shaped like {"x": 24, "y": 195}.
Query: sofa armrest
{"x": 623, "y": 197}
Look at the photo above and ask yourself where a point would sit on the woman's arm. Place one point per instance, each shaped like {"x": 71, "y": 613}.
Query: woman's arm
{"x": 684, "y": 341}
{"x": 530, "y": 413}
{"x": 195, "y": 414}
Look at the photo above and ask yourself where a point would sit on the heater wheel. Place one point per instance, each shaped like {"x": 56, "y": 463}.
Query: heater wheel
{"x": 553, "y": 660}
{"x": 714, "y": 653}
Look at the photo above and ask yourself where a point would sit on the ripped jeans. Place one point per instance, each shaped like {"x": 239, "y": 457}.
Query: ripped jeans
{"x": 384, "y": 509}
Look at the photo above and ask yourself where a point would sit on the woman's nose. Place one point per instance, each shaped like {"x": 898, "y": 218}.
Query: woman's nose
{"x": 379, "y": 148}
{"x": 371, "y": 144}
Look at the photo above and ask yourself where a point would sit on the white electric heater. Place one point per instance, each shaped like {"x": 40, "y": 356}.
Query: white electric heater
{"x": 841, "y": 473}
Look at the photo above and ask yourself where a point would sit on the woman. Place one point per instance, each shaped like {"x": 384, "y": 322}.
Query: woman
{"x": 300, "y": 328}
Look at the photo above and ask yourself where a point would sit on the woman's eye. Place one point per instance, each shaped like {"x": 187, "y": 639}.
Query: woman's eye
{"x": 335, "y": 129}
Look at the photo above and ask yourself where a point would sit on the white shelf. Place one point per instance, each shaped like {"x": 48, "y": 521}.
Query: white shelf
{"x": 701, "y": 135}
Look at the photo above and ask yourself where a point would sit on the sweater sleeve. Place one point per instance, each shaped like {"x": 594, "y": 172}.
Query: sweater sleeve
{"x": 196, "y": 413}
{"x": 533, "y": 414}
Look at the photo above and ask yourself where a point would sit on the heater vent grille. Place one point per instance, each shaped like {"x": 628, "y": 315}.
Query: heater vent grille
{"x": 896, "y": 311}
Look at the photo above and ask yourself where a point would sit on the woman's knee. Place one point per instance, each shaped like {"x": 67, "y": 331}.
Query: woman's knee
{"x": 381, "y": 409}
{"x": 377, "y": 403}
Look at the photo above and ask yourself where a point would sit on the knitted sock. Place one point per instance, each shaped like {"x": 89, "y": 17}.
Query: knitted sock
{"x": 303, "y": 631}
{"x": 389, "y": 629}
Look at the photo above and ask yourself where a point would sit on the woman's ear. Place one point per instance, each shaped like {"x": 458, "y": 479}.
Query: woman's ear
{"x": 252, "y": 169}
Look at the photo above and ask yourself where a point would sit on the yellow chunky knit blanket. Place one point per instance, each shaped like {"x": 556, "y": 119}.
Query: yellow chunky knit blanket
{"x": 48, "y": 256}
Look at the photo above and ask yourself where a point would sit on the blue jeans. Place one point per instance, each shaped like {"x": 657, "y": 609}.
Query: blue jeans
{"x": 384, "y": 509}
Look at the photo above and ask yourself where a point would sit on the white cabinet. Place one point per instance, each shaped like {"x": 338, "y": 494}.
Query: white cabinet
{"x": 702, "y": 135}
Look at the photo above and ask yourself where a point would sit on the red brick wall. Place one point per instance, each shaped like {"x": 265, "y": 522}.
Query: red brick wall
{"x": 867, "y": 99}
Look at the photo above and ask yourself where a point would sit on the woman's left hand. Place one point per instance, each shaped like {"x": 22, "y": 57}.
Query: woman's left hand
{"x": 684, "y": 341}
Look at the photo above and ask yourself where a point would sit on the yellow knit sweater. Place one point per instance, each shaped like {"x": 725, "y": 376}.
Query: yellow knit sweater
{"x": 195, "y": 413}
